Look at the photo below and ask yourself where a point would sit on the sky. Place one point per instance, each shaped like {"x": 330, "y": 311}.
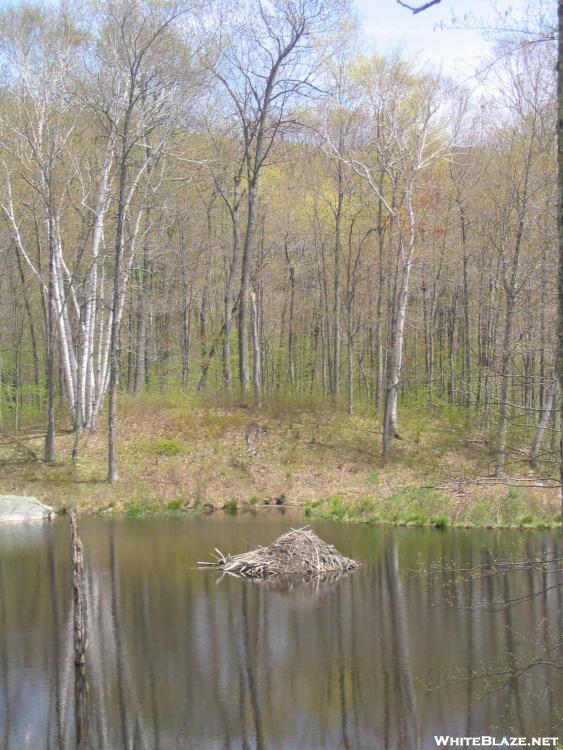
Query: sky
{"x": 457, "y": 51}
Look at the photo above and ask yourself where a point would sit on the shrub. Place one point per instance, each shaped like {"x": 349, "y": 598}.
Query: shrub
{"x": 134, "y": 510}
{"x": 174, "y": 506}
{"x": 439, "y": 522}
{"x": 167, "y": 447}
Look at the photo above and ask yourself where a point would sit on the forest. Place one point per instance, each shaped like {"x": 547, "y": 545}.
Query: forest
{"x": 281, "y": 376}
{"x": 255, "y": 213}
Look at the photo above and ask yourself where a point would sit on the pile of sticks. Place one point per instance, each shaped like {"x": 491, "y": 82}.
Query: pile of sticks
{"x": 300, "y": 553}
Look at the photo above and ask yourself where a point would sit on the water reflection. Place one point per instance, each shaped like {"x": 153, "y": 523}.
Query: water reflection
{"x": 385, "y": 658}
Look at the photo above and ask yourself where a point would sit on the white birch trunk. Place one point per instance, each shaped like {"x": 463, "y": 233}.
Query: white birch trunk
{"x": 399, "y": 332}
{"x": 87, "y": 383}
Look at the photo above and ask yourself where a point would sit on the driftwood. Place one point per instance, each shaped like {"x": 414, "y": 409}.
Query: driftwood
{"x": 299, "y": 554}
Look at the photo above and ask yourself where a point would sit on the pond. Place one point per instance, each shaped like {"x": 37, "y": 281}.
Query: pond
{"x": 388, "y": 657}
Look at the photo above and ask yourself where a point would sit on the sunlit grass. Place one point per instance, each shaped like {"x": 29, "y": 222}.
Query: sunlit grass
{"x": 412, "y": 507}
{"x": 422, "y": 507}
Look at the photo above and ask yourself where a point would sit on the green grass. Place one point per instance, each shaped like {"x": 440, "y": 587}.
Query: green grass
{"x": 133, "y": 509}
{"x": 174, "y": 506}
{"x": 167, "y": 447}
{"x": 410, "y": 507}
{"x": 425, "y": 507}
{"x": 144, "y": 508}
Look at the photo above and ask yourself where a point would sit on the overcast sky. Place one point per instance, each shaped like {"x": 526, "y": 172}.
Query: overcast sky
{"x": 457, "y": 51}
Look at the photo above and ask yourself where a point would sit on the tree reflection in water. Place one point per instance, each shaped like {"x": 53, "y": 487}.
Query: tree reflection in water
{"x": 403, "y": 649}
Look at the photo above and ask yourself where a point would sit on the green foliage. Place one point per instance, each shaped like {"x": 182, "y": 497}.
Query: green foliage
{"x": 426, "y": 507}
{"x": 174, "y": 506}
{"x": 479, "y": 514}
{"x": 133, "y": 509}
{"x": 142, "y": 509}
{"x": 231, "y": 506}
{"x": 439, "y": 522}
{"x": 408, "y": 508}
{"x": 417, "y": 507}
{"x": 338, "y": 509}
{"x": 167, "y": 447}
{"x": 21, "y": 407}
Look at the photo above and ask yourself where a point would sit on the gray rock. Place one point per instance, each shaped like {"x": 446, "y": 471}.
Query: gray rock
{"x": 16, "y": 509}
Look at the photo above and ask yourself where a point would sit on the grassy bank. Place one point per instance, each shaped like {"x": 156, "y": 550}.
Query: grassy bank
{"x": 182, "y": 454}
{"x": 427, "y": 507}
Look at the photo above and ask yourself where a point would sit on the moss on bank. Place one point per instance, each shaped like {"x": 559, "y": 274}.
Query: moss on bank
{"x": 179, "y": 454}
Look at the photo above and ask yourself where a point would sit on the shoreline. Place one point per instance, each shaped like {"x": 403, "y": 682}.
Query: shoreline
{"x": 319, "y": 511}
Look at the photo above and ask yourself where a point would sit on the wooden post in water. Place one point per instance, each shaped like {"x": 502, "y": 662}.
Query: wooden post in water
{"x": 80, "y": 633}
{"x": 79, "y": 593}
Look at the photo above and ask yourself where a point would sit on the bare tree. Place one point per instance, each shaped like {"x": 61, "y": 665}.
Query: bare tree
{"x": 394, "y": 145}
{"x": 37, "y": 132}
{"x": 137, "y": 87}
{"x": 264, "y": 63}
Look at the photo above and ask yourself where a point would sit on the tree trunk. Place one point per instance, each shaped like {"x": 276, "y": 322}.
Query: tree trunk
{"x": 350, "y": 375}
{"x": 547, "y": 408}
{"x": 560, "y": 285}
{"x": 335, "y": 379}
{"x": 80, "y": 630}
{"x": 113, "y": 473}
{"x": 291, "y": 332}
{"x": 257, "y": 373}
{"x": 245, "y": 283}
{"x": 186, "y": 325}
{"x": 32, "y": 333}
{"x": 230, "y": 287}
{"x": 505, "y": 386}
{"x": 50, "y": 454}
{"x": 203, "y": 314}
{"x": 466, "y": 318}
{"x": 390, "y": 422}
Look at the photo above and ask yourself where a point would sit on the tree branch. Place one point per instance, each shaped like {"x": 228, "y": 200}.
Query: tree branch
{"x": 418, "y": 9}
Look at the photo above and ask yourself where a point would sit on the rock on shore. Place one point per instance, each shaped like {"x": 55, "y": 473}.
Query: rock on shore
{"x": 18, "y": 509}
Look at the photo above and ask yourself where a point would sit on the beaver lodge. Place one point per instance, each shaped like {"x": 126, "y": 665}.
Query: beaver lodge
{"x": 300, "y": 553}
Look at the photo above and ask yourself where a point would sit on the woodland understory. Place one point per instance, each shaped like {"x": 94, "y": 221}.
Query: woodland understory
{"x": 241, "y": 228}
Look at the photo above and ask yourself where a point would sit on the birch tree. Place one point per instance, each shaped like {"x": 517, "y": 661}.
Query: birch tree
{"x": 135, "y": 96}
{"x": 42, "y": 51}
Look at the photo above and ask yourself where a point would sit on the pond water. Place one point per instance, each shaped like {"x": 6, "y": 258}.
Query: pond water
{"x": 388, "y": 657}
